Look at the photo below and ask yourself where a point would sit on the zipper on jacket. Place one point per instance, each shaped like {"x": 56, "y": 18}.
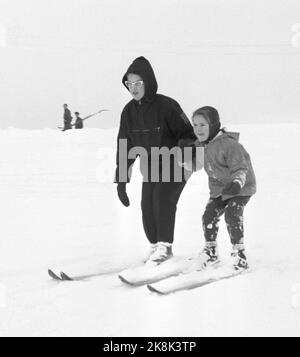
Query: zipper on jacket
{"x": 140, "y": 112}
{"x": 146, "y": 130}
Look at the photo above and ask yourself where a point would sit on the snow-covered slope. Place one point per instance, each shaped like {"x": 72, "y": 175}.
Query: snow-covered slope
{"x": 58, "y": 208}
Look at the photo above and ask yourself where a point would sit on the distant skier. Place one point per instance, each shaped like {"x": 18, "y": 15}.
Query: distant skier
{"x": 79, "y": 122}
{"x": 231, "y": 183}
{"x": 67, "y": 118}
{"x": 152, "y": 120}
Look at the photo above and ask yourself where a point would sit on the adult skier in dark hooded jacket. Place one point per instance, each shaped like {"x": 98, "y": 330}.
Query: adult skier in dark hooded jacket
{"x": 152, "y": 121}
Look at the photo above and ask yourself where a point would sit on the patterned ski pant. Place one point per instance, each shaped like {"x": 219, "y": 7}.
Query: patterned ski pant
{"x": 233, "y": 209}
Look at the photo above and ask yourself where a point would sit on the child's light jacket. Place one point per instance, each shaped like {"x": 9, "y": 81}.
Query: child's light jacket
{"x": 225, "y": 160}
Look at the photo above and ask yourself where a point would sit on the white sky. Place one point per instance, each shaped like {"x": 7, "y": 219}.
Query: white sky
{"x": 239, "y": 56}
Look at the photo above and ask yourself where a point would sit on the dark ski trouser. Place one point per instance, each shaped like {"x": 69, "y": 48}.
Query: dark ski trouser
{"x": 67, "y": 125}
{"x": 233, "y": 209}
{"x": 159, "y": 204}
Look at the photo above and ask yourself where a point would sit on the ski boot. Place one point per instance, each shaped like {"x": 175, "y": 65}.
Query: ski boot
{"x": 151, "y": 251}
{"x": 162, "y": 252}
{"x": 208, "y": 257}
{"x": 239, "y": 260}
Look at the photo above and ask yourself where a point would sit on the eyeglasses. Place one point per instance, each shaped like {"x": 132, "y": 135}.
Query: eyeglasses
{"x": 137, "y": 84}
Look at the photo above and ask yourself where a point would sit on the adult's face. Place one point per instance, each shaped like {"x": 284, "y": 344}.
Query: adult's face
{"x": 135, "y": 86}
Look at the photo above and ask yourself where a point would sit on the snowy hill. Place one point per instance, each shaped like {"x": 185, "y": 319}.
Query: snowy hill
{"x": 59, "y": 209}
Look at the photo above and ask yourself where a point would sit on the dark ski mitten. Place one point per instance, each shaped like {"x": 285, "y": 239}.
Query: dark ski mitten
{"x": 121, "y": 188}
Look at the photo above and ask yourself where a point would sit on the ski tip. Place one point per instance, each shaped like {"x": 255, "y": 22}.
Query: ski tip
{"x": 53, "y": 275}
{"x": 64, "y": 276}
{"x": 124, "y": 280}
{"x": 153, "y": 290}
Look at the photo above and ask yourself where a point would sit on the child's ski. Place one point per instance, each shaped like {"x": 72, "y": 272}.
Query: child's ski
{"x": 193, "y": 280}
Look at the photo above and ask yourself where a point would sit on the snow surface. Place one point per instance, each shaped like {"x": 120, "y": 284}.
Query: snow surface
{"x": 59, "y": 209}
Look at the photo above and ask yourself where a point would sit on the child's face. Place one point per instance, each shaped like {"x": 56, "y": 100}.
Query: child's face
{"x": 135, "y": 86}
{"x": 201, "y": 127}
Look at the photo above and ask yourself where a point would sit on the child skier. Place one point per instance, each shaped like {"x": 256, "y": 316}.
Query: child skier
{"x": 231, "y": 183}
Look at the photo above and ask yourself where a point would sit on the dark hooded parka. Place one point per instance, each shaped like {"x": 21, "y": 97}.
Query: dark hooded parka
{"x": 154, "y": 121}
